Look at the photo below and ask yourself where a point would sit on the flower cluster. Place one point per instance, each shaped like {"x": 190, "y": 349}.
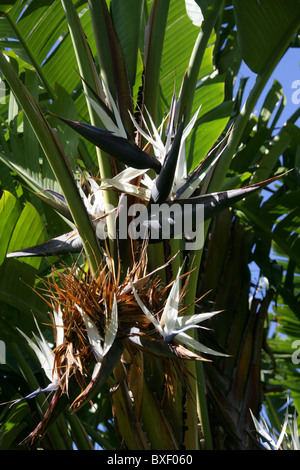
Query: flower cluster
{"x": 96, "y": 318}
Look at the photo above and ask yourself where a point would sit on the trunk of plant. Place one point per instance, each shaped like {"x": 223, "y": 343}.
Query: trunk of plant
{"x": 234, "y": 383}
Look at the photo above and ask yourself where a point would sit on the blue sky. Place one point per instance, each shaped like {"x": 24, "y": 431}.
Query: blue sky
{"x": 286, "y": 72}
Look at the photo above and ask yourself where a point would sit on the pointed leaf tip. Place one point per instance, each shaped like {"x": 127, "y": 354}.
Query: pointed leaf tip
{"x": 164, "y": 181}
{"x": 118, "y": 147}
{"x": 67, "y": 243}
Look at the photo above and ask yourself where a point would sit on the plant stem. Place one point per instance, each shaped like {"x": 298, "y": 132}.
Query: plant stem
{"x": 192, "y": 72}
{"x": 88, "y": 72}
{"x": 129, "y": 426}
{"x": 31, "y": 56}
{"x": 187, "y": 96}
{"x": 80, "y": 436}
{"x": 158, "y": 430}
{"x": 153, "y": 54}
{"x": 111, "y": 58}
{"x": 219, "y": 177}
{"x": 203, "y": 411}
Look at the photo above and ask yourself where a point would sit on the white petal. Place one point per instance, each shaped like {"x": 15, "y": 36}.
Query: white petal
{"x": 171, "y": 124}
{"x": 43, "y": 353}
{"x": 93, "y": 334}
{"x": 187, "y": 130}
{"x": 170, "y": 313}
{"x": 45, "y": 349}
{"x": 96, "y": 369}
{"x": 50, "y": 388}
{"x": 181, "y": 167}
{"x": 158, "y": 148}
{"x": 112, "y": 328}
{"x": 116, "y": 112}
{"x": 107, "y": 121}
{"x": 194, "y": 12}
{"x": 159, "y": 143}
{"x": 283, "y": 431}
{"x": 58, "y": 319}
{"x": 194, "y": 344}
{"x": 183, "y": 321}
{"x": 295, "y": 434}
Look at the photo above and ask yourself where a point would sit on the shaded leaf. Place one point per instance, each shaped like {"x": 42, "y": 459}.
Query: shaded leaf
{"x": 10, "y": 211}
{"x": 127, "y": 21}
{"x": 263, "y": 26}
{"x": 12, "y": 426}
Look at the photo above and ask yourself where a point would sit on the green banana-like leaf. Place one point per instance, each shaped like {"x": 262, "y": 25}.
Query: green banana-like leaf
{"x": 6, "y": 6}
{"x": 8, "y": 219}
{"x": 127, "y": 20}
{"x": 19, "y": 227}
{"x": 262, "y": 27}
{"x": 280, "y": 227}
{"x": 153, "y": 49}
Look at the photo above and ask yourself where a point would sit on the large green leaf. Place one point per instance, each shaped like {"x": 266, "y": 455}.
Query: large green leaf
{"x": 127, "y": 20}
{"x": 278, "y": 220}
{"x": 12, "y": 424}
{"x": 6, "y": 6}
{"x": 64, "y": 105}
{"x": 213, "y": 116}
{"x": 263, "y": 26}
{"x": 28, "y": 229}
{"x": 180, "y": 38}
{"x": 18, "y": 227}
{"x": 24, "y": 156}
{"x": 10, "y": 211}
{"x": 207, "y": 131}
